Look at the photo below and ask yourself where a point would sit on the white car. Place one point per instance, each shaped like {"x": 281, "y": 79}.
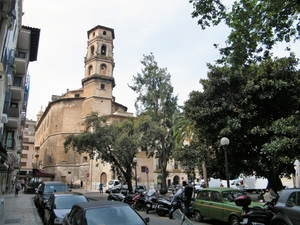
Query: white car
{"x": 198, "y": 186}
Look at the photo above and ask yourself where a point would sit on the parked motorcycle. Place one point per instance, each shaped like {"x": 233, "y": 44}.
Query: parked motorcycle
{"x": 255, "y": 215}
{"x": 180, "y": 203}
{"x": 121, "y": 197}
{"x": 151, "y": 200}
{"x": 139, "y": 200}
{"x": 163, "y": 206}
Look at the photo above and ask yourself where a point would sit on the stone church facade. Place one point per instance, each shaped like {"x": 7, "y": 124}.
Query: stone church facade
{"x": 64, "y": 116}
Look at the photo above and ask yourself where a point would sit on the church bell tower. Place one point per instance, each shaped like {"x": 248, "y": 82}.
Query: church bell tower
{"x": 98, "y": 81}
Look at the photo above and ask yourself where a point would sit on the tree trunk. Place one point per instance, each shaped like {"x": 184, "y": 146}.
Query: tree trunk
{"x": 204, "y": 173}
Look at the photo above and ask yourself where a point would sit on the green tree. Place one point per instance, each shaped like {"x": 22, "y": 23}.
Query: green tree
{"x": 258, "y": 110}
{"x": 256, "y": 26}
{"x": 189, "y": 149}
{"x": 116, "y": 143}
{"x": 155, "y": 98}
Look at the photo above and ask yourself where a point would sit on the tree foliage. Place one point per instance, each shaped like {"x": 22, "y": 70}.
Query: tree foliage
{"x": 115, "y": 143}
{"x": 256, "y": 26}
{"x": 258, "y": 110}
{"x": 155, "y": 98}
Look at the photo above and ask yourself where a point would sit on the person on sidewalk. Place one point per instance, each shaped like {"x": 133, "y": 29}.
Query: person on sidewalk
{"x": 101, "y": 188}
{"x": 17, "y": 187}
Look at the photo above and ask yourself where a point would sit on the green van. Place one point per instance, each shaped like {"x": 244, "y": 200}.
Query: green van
{"x": 218, "y": 203}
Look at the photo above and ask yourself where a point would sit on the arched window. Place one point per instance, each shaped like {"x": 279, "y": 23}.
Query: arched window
{"x": 104, "y": 32}
{"x": 103, "y": 50}
{"x": 92, "y": 50}
{"x": 90, "y": 70}
{"x": 103, "y": 69}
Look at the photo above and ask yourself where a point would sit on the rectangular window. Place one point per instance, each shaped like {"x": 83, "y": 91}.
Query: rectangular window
{"x": 24, "y": 156}
{"x": 102, "y": 87}
{"x": 10, "y": 139}
{"x": 18, "y": 81}
{"x": 143, "y": 169}
{"x": 77, "y": 95}
{"x": 23, "y": 164}
{"x": 22, "y": 55}
{"x": 84, "y": 159}
{"x": 24, "y": 147}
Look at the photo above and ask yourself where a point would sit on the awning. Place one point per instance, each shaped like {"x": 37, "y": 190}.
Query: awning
{"x": 41, "y": 173}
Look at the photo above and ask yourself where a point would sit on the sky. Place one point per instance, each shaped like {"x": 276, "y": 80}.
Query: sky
{"x": 162, "y": 27}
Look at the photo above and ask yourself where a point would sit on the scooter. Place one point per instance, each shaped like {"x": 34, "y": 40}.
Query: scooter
{"x": 255, "y": 215}
{"x": 139, "y": 201}
{"x": 163, "y": 206}
{"x": 151, "y": 200}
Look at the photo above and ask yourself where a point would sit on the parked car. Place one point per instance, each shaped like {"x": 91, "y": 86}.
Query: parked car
{"x": 140, "y": 188}
{"x": 116, "y": 186}
{"x": 198, "y": 186}
{"x": 59, "y": 204}
{"x": 103, "y": 212}
{"x": 35, "y": 197}
{"x": 218, "y": 203}
{"x": 45, "y": 190}
{"x": 287, "y": 208}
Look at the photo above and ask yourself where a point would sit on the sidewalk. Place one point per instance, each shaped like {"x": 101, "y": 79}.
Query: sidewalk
{"x": 19, "y": 210}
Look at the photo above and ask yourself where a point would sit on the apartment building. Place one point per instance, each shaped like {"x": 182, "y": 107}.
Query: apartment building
{"x": 18, "y": 47}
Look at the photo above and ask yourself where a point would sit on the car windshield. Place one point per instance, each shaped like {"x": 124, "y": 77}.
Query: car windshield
{"x": 66, "y": 202}
{"x": 55, "y": 188}
{"x": 113, "y": 216}
{"x": 231, "y": 195}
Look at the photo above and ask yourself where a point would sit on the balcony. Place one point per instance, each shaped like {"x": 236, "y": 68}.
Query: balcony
{"x": 14, "y": 119}
{"x": 21, "y": 62}
{"x": 17, "y": 92}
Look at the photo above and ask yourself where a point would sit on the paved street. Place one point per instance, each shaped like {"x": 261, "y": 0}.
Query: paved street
{"x": 20, "y": 210}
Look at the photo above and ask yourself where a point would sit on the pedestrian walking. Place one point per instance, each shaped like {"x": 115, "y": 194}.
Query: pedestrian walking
{"x": 17, "y": 187}
{"x": 101, "y": 188}
{"x": 81, "y": 184}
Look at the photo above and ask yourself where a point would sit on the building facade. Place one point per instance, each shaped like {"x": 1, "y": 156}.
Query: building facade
{"x": 18, "y": 47}
{"x": 65, "y": 115}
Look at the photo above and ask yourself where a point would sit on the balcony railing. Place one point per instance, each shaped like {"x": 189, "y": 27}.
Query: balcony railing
{"x": 14, "y": 112}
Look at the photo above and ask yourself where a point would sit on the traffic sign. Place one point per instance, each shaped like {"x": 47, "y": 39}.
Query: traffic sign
{"x": 146, "y": 170}
{"x": 87, "y": 174}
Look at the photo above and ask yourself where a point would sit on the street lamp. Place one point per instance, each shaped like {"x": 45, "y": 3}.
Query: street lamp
{"x": 92, "y": 154}
{"x": 135, "y": 175}
{"x": 224, "y": 143}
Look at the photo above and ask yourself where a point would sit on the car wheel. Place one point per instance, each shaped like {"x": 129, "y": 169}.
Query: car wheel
{"x": 234, "y": 220}
{"x": 198, "y": 216}
{"x": 160, "y": 213}
{"x": 278, "y": 223}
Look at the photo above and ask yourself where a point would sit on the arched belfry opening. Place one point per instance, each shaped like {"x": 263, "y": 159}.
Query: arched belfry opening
{"x": 103, "y": 50}
{"x": 92, "y": 50}
{"x": 90, "y": 70}
{"x": 103, "y": 69}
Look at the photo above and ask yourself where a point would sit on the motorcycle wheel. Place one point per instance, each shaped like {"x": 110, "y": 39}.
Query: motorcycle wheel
{"x": 137, "y": 207}
{"x": 160, "y": 213}
{"x": 198, "y": 216}
{"x": 234, "y": 220}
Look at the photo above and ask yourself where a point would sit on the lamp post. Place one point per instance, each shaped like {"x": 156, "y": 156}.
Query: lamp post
{"x": 135, "y": 175}
{"x": 224, "y": 143}
{"x": 92, "y": 154}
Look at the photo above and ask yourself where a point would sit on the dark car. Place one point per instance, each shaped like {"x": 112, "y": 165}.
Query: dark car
{"x": 287, "y": 208}
{"x": 103, "y": 212}
{"x": 45, "y": 190}
{"x": 59, "y": 204}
